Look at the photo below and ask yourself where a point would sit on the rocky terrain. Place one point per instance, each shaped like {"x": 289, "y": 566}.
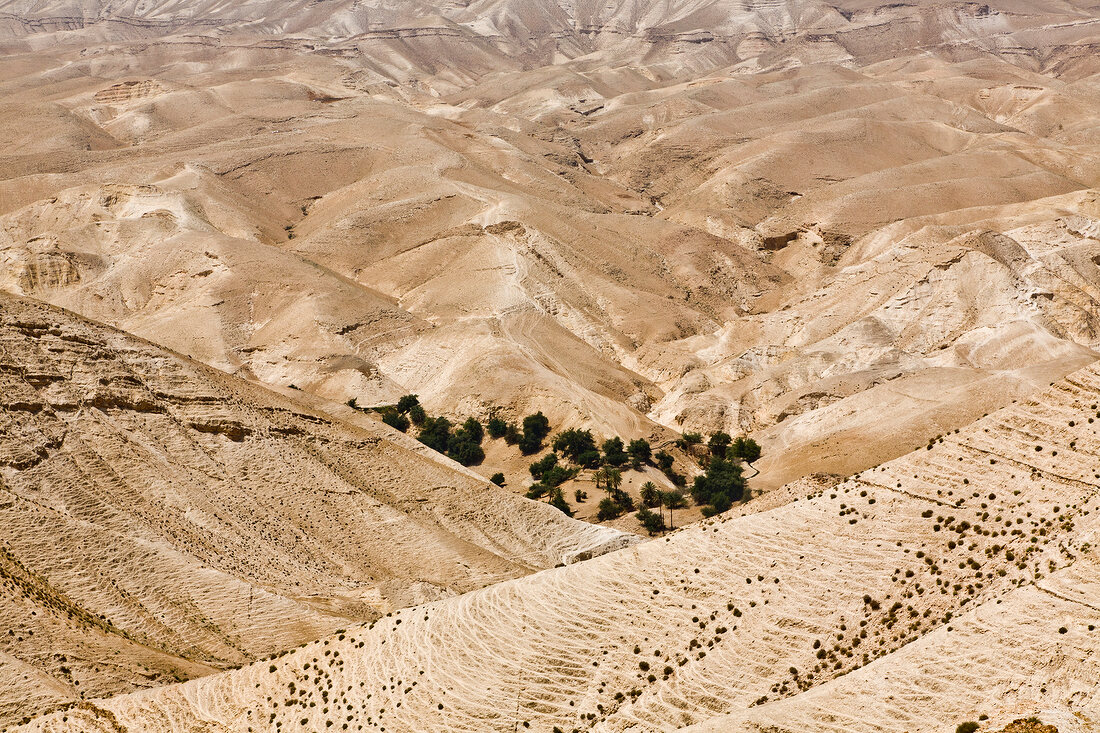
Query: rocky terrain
{"x": 954, "y": 582}
{"x": 865, "y": 234}
{"x": 766, "y": 237}
{"x": 162, "y": 520}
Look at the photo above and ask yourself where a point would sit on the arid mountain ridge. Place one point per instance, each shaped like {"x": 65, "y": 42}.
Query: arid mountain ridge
{"x": 849, "y": 230}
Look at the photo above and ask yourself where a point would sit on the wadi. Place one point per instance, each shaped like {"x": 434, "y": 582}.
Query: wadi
{"x": 506, "y": 365}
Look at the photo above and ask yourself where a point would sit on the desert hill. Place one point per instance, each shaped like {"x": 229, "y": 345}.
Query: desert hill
{"x": 163, "y": 520}
{"x": 767, "y": 253}
{"x": 955, "y": 582}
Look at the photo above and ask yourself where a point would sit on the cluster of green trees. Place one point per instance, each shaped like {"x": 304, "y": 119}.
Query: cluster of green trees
{"x": 617, "y": 502}
{"x": 722, "y": 446}
{"x": 463, "y": 442}
{"x": 653, "y": 498}
{"x": 724, "y": 482}
{"x": 580, "y": 447}
{"x": 607, "y": 459}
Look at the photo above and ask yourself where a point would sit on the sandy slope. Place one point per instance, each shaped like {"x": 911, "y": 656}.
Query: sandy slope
{"x": 956, "y": 581}
{"x": 162, "y": 519}
{"x": 768, "y": 252}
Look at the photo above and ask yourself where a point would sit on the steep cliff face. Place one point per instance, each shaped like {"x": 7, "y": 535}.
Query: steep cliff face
{"x": 162, "y": 519}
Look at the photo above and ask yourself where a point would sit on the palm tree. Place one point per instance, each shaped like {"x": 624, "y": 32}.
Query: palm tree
{"x": 599, "y": 475}
{"x": 672, "y": 500}
{"x": 613, "y": 479}
{"x": 650, "y": 496}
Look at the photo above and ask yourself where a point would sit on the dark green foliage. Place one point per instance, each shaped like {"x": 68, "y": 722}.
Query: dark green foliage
{"x": 690, "y": 439}
{"x": 407, "y": 402}
{"x": 720, "y": 502}
{"x": 574, "y": 443}
{"x": 529, "y": 444}
{"x": 664, "y": 461}
{"x": 650, "y": 496}
{"x": 544, "y": 464}
{"x": 473, "y": 430}
{"x": 580, "y": 496}
{"x": 719, "y": 443}
{"x": 536, "y": 426}
{"x": 722, "y": 477}
{"x": 435, "y": 433}
{"x": 639, "y": 452}
{"x": 537, "y": 491}
{"x": 417, "y": 415}
{"x": 558, "y": 502}
{"x": 590, "y": 459}
{"x": 652, "y": 521}
{"x": 512, "y": 434}
{"x": 746, "y": 449}
{"x": 672, "y": 500}
{"x": 623, "y": 500}
{"x": 558, "y": 475}
{"x": 352, "y": 404}
{"x": 967, "y": 727}
{"x": 460, "y": 448}
{"x": 613, "y": 453}
{"x": 496, "y": 427}
{"x": 395, "y": 420}
{"x": 608, "y": 509}
{"x": 497, "y": 478}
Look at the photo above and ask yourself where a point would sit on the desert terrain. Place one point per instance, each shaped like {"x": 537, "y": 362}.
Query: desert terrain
{"x": 865, "y": 235}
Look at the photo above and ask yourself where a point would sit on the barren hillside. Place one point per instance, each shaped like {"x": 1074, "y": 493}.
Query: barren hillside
{"x": 768, "y": 249}
{"x": 957, "y": 581}
{"x": 864, "y": 234}
{"x": 162, "y": 520}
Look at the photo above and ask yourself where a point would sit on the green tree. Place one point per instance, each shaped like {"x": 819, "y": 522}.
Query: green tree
{"x": 536, "y": 426}
{"x": 746, "y": 449}
{"x": 719, "y": 443}
{"x": 460, "y": 448}
{"x": 672, "y": 500}
{"x": 544, "y": 464}
{"x": 558, "y": 502}
{"x": 417, "y": 415}
{"x": 652, "y": 522}
{"x": 664, "y": 461}
{"x": 529, "y": 444}
{"x": 718, "y": 503}
{"x": 406, "y": 403}
{"x": 613, "y": 478}
{"x": 608, "y": 509}
{"x": 690, "y": 439}
{"x": 650, "y": 495}
{"x": 473, "y": 430}
{"x": 395, "y": 420}
{"x": 574, "y": 443}
{"x": 436, "y": 433}
{"x": 496, "y": 427}
{"x": 639, "y": 451}
{"x": 613, "y": 453}
{"x": 497, "y": 478}
{"x": 722, "y": 477}
{"x": 512, "y": 435}
{"x": 589, "y": 459}
{"x": 557, "y": 475}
